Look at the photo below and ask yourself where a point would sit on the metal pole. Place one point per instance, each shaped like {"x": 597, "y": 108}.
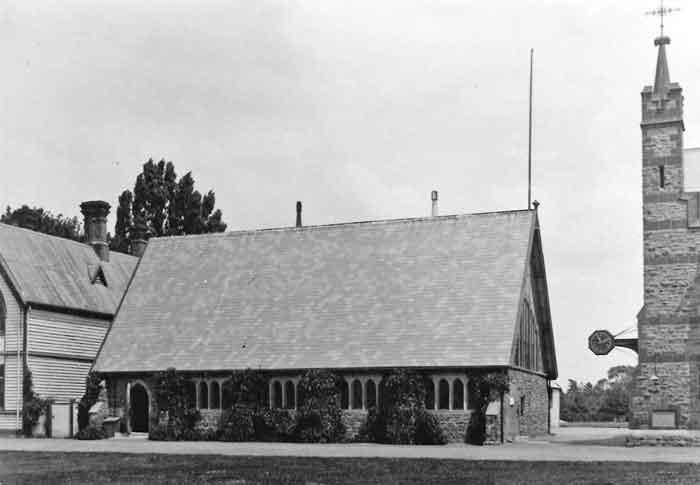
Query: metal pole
{"x": 529, "y": 142}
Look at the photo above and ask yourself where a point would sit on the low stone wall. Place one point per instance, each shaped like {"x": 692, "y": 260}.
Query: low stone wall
{"x": 353, "y": 419}
{"x": 663, "y": 440}
{"x": 454, "y": 424}
{"x": 211, "y": 419}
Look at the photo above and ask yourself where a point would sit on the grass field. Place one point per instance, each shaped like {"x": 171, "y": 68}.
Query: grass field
{"x": 35, "y": 467}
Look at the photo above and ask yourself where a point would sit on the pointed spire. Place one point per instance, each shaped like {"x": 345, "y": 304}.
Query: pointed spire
{"x": 662, "y": 78}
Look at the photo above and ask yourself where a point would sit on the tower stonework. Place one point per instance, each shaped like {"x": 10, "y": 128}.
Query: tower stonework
{"x": 667, "y": 387}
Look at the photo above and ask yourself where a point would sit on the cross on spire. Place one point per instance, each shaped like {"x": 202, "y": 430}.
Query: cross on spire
{"x": 662, "y": 11}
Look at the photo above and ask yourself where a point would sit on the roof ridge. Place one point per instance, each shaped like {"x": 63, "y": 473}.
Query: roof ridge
{"x": 62, "y": 239}
{"x": 334, "y": 225}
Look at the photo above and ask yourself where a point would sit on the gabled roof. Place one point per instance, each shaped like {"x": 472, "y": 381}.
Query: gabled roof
{"x": 57, "y": 272}
{"x": 440, "y": 291}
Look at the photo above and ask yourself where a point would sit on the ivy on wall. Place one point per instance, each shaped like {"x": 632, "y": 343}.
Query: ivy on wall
{"x": 484, "y": 387}
{"x": 33, "y": 406}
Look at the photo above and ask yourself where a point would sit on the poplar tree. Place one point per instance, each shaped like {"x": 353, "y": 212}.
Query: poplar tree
{"x": 162, "y": 205}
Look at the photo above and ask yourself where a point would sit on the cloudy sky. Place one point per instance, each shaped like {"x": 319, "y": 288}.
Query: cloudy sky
{"x": 359, "y": 109}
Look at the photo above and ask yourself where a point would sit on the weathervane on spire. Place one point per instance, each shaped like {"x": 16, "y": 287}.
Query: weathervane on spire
{"x": 662, "y": 12}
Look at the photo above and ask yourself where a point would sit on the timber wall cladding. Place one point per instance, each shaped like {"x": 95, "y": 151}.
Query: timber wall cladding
{"x": 67, "y": 335}
{"x": 13, "y": 335}
{"x": 61, "y": 348}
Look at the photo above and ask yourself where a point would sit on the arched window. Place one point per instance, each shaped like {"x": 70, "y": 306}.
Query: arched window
{"x": 344, "y": 394}
{"x": 371, "y": 388}
{"x": 457, "y": 394}
{"x": 356, "y": 394}
{"x": 203, "y": 395}
{"x": 289, "y": 394}
{"x": 215, "y": 396}
{"x": 190, "y": 394}
{"x": 3, "y": 314}
{"x": 430, "y": 394}
{"x": 276, "y": 395}
{"x": 444, "y": 391}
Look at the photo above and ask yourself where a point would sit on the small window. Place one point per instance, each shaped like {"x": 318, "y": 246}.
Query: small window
{"x": 277, "y": 395}
{"x": 3, "y": 313}
{"x": 457, "y": 394}
{"x": 371, "y": 394}
{"x": 344, "y": 395}
{"x": 289, "y": 395}
{"x": 356, "y": 394}
{"x": 444, "y": 391}
{"x": 430, "y": 394}
{"x": 662, "y": 178}
{"x": 215, "y": 396}
{"x": 203, "y": 395}
{"x": 2, "y": 386}
{"x": 522, "y": 405}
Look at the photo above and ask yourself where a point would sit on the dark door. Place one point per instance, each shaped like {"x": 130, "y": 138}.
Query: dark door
{"x": 139, "y": 409}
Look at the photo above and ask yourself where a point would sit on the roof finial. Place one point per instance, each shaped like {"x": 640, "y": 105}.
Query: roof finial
{"x": 661, "y": 11}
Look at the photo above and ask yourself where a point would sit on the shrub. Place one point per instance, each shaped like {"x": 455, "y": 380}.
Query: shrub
{"x": 402, "y": 417}
{"x": 484, "y": 387}
{"x": 92, "y": 392}
{"x": 319, "y": 417}
{"x": 274, "y": 425}
{"x": 174, "y": 399}
{"x": 238, "y": 424}
{"x": 33, "y": 406}
{"x": 91, "y": 432}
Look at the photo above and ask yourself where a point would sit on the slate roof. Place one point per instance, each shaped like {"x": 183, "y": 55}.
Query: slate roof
{"x": 49, "y": 270}
{"x": 440, "y": 291}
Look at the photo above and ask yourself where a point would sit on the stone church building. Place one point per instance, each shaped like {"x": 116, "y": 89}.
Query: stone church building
{"x": 667, "y": 390}
{"x": 442, "y": 294}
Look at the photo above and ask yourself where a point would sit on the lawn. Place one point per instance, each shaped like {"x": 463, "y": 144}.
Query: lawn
{"x": 36, "y": 467}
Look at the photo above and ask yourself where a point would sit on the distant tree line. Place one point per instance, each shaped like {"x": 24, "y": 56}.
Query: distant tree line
{"x": 40, "y": 220}
{"x": 606, "y": 400}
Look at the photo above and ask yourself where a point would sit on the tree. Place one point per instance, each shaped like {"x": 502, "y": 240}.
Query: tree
{"x": 162, "y": 205}
{"x": 37, "y": 219}
{"x": 607, "y": 400}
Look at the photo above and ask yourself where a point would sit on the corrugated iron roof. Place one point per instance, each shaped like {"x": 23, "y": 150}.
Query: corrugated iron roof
{"x": 440, "y": 291}
{"x": 53, "y": 271}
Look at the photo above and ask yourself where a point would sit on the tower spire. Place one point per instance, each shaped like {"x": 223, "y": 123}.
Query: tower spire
{"x": 661, "y": 78}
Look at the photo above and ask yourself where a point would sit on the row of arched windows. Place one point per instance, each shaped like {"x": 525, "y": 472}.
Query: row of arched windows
{"x": 208, "y": 394}
{"x": 283, "y": 396}
{"x": 362, "y": 393}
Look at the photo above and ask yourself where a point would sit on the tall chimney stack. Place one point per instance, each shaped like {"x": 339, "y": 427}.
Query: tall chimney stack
{"x": 140, "y": 238}
{"x": 434, "y": 198}
{"x": 298, "y": 213}
{"x": 95, "y": 213}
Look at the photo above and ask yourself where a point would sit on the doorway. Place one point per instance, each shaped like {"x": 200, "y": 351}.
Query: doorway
{"x": 139, "y": 408}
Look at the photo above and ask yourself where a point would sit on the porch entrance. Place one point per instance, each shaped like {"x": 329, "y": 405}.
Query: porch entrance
{"x": 138, "y": 398}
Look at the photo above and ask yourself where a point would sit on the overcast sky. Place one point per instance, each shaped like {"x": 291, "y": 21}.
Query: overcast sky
{"x": 359, "y": 109}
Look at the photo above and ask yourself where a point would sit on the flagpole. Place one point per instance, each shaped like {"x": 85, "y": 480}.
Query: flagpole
{"x": 529, "y": 142}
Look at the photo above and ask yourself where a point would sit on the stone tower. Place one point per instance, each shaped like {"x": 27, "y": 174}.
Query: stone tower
{"x": 667, "y": 388}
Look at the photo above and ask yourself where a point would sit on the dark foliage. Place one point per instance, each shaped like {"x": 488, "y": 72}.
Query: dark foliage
{"x": 33, "y": 406}
{"x": 91, "y": 433}
{"x": 37, "y": 219}
{"x": 162, "y": 205}
{"x": 175, "y": 402}
{"x": 484, "y": 387}
{"x": 607, "y": 400}
{"x": 92, "y": 392}
{"x": 318, "y": 416}
{"x": 402, "y": 417}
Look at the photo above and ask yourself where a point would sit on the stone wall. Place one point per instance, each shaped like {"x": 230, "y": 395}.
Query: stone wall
{"x": 531, "y": 399}
{"x": 669, "y": 323}
{"x": 454, "y": 424}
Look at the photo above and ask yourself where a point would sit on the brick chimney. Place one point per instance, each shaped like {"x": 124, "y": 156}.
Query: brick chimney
{"x": 434, "y": 199}
{"x": 95, "y": 213}
{"x": 140, "y": 239}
